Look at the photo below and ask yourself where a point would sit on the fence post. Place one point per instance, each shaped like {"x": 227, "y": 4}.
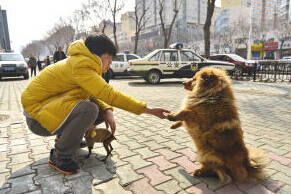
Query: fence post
{"x": 275, "y": 71}
{"x": 255, "y": 72}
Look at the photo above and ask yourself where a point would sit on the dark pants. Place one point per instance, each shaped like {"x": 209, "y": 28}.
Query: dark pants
{"x": 33, "y": 69}
{"x": 72, "y": 131}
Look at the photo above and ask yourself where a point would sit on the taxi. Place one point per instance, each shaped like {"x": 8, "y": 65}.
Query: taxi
{"x": 174, "y": 62}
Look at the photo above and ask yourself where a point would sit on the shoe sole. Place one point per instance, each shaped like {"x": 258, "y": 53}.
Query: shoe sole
{"x": 61, "y": 171}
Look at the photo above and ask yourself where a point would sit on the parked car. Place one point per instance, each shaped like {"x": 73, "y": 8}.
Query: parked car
{"x": 174, "y": 62}
{"x": 13, "y": 65}
{"x": 120, "y": 64}
{"x": 241, "y": 65}
{"x": 286, "y": 58}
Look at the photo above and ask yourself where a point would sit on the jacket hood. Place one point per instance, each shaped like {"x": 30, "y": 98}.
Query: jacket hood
{"x": 79, "y": 48}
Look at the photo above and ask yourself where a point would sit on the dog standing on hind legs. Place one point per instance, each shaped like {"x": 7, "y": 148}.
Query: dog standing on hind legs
{"x": 211, "y": 118}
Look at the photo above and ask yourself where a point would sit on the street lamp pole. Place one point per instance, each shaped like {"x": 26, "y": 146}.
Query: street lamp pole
{"x": 250, "y": 34}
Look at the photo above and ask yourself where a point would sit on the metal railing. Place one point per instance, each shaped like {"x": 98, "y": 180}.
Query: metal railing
{"x": 267, "y": 71}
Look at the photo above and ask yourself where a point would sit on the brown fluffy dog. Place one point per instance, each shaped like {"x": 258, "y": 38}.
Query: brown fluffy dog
{"x": 211, "y": 118}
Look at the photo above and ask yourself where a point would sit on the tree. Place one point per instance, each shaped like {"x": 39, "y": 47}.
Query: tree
{"x": 98, "y": 11}
{"x": 34, "y": 48}
{"x": 115, "y": 7}
{"x": 206, "y": 28}
{"x": 283, "y": 34}
{"x": 168, "y": 31}
{"x": 140, "y": 18}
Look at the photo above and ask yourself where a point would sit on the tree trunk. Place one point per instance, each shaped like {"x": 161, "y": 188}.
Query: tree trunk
{"x": 114, "y": 25}
{"x": 136, "y": 42}
{"x": 206, "y": 28}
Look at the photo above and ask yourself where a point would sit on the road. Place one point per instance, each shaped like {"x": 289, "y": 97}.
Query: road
{"x": 148, "y": 157}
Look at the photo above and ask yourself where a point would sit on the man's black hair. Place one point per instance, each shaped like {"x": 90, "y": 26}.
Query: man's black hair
{"x": 100, "y": 44}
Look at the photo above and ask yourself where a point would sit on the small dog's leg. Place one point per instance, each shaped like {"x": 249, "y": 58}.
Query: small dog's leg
{"x": 203, "y": 171}
{"x": 106, "y": 145}
{"x": 90, "y": 151}
{"x": 176, "y": 125}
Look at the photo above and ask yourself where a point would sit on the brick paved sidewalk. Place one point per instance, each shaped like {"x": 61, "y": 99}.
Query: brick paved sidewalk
{"x": 148, "y": 156}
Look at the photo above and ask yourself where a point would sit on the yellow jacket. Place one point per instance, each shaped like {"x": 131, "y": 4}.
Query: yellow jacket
{"x": 54, "y": 92}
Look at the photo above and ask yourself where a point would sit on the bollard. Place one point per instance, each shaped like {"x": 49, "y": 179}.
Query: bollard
{"x": 255, "y": 72}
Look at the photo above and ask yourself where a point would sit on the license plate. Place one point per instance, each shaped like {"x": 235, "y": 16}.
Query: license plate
{"x": 194, "y": 66}
{"x": 9, "y": 68}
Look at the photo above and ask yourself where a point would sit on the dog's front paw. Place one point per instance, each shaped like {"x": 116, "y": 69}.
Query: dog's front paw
{"x": 171, "y": 117}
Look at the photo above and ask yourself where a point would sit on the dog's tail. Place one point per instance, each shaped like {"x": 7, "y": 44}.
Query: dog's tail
{"x": 257, "y": 162}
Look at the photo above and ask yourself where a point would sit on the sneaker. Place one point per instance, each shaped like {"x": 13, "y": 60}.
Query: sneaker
{"x": 64, "y": 166}
{"x": 83, "y": 143}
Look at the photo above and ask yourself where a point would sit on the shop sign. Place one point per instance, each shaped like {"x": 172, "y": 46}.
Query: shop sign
{"x": 287, "y": 44}
{"x": 270, "y": 46}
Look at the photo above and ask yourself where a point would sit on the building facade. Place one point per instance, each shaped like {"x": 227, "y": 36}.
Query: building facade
{"x": 188, "y": 26}
{"x": 4, "y": 32}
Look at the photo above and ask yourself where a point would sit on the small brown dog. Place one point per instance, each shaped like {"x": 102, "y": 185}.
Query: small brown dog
{"x": 211, "y": 119}
{"x": 100, "y": 135}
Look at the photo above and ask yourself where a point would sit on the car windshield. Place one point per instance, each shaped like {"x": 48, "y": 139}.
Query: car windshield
{"x": 11, "y": 57}
{"x": 236, "y": 57}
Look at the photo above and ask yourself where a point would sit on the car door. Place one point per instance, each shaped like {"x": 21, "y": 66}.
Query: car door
{"x": 118, "y": 63}
{"x": 169, "y": 61}
{"x": 189, "y": 62}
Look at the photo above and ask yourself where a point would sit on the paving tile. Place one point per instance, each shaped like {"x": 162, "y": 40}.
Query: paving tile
{"x": 146, "y": 153}
{"x": 189, "y": 153}
{"x": 199, "y": 189}
{"x": 272, "y": 185}
{"x": 185, "y": 163}
{"x": 162, "y": 163}
{"x": 4, "y": 166}
{"x": 168, "y": 154}
{"x": 127, "y": 175}
{"x": 143, "y": 187}
{"x": 124, "y": 152}
{"x": 110, "y": 187}
{"x": 282, "y": 177}
{"x": 173, "y": 145}
{"x": 285, "y": 190}
{"x": 229, "y": 189}
{"x": 277, "y": 166}
{"x": 153, "y": 145}
{"x": 259, "y": 189}
{"x": 283, "y": 160}
{"x": 169, "y": 187}
{"x": 137, "y": 162}
{"x": 154, "y": 175}
{"x": 185, "y": 179}
{"x": 279, "y": 152}
{"x": 22, "y": 184}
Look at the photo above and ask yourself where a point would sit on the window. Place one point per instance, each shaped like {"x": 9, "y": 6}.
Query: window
{"x": 11, "y": 57}
{"x": 129, "y": 57}
{"x": 188, "y": 56}
{"x": 155, "y": 57}
{"x": 118, "y": 58}
{"x": 169, "y": 56}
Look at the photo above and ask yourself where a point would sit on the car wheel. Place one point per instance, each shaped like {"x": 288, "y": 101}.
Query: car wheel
{"x": 238, "y": 71}
{"x": 26, "y": 76}
{"x": 153, "y": 77}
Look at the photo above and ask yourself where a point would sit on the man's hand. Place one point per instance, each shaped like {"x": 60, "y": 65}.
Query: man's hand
{"x": 109, "y": 120}
{"x": 158, "y": 112}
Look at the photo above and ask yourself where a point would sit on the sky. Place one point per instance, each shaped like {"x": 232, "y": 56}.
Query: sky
{"x": 30, "y": 20}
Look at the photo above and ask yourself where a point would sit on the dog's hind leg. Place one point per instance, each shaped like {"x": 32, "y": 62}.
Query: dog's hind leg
{"x": 223, "y": 177}
{"x": 176, "y": 125}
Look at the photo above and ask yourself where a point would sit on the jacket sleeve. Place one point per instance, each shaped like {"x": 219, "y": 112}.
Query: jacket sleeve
{"x": 87, "y": 78}
{"x": 102, "y": 104}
